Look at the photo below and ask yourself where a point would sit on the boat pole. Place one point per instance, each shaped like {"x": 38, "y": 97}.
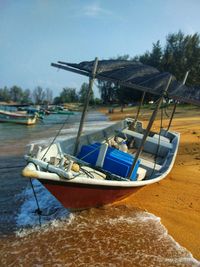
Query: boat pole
{"x": 176, "y": 102}
{"x": 152, "y": 119}
{"x": 91, "y": 81}
{"x": 132, "y": 126}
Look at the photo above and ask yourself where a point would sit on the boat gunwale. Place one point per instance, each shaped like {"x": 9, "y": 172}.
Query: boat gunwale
{"x": 31, "y": 171}
{"x": 16, "y": 115}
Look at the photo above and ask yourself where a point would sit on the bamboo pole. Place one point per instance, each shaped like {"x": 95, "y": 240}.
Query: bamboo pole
{"x": 139, "y": 108}
{"x": 91, "y": 81}
{"x": 153, "y": 116}
{"x": 176, "y": 102}
{"x": 132, "y": 126}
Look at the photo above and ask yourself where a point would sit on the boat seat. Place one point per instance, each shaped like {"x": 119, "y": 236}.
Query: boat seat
{"x": 151, "y": 144}
{"x": 149, "y": 166}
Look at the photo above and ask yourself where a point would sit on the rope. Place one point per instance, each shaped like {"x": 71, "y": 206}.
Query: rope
{"x": 91, "y": 152}
{"x": 55, "y": 137}
{"x": 87, "y": 173}
{"x": 98, "y": 148}
{"x": 38, "y": 210}
{"x": 161, "y": 120}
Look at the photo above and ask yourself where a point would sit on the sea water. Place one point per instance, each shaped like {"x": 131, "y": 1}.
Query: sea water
{"x": 107, "y": 236}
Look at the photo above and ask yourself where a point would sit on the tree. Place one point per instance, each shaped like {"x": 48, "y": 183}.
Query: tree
{"x": 68, "y": 95}
{"x": 48, "y": 96}
{"x": 153, "y": 58}
{"x": 108, "y": 92}
{"x": 123, "y": 57}
{"x": 112, "y": 93}
{"x": 26, "y": 98}
{"x": 83, "y": 93}
{"x": 16, "y": 93}
{"x": 56, "y": 100}
{"x": 182, "y": 53}
{"x": 5, "y": 94}
{"x": 38, "y": 95}
{"x": 127, "y": 95}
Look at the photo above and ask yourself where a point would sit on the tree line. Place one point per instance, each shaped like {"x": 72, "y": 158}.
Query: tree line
{"x": 45, "y": 96}
{"x": 180, "y": 53}
{"x": 26, "y": 96}
{"x": 70, "y": 95}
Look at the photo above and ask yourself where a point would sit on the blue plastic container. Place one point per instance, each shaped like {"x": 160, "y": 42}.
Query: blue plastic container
{"x": 89, "y": 153}
{"x": 116, "y": 161}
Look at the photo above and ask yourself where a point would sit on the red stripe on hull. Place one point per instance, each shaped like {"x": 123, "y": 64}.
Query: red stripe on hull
{"x": 81, "y": 196}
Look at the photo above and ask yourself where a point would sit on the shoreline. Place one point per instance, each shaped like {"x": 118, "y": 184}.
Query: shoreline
{"x": 176, "y": 199}
{"x": 12, "y": 184}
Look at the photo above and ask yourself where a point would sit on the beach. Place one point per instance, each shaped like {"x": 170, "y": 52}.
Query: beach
{"x": 176, "y": 199}
{"x": 157, "y": 226}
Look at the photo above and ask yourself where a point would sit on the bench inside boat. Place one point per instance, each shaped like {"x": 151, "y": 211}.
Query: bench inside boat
{"x": 118, "y": 162}
{"x": 155, "y": 157}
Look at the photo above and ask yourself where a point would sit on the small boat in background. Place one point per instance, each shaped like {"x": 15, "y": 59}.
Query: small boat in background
{"x": 60, "y": 110}
{"x": 16, "y": 117}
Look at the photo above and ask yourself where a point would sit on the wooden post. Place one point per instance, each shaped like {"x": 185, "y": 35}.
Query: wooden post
{"x": 132, "y": 126}
{"x": 175, "y": 105}
{"x": 91, "y": 81}
{"x": 153, "y": 116}
{"x": 141, "y": 103}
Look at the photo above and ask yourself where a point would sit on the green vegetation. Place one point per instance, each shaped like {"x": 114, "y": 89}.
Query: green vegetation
{"x": 180, "y": 54}
{"x": 68, "y": 95}
{"x": 19, "y": 95}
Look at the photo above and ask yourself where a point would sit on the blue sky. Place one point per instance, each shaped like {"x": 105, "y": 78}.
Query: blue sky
{"x": 34, "y": 33}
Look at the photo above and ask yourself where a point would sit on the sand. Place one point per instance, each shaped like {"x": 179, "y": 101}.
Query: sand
{"x": 176, "y": 199}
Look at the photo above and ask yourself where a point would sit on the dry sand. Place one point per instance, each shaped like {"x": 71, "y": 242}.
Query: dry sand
{"x": 176, "y": 199}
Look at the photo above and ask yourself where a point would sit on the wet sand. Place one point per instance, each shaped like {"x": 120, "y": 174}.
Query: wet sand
{"x": 176, "y": 199}
{"x": 14, "y": 140}
{"x": 11, "y": 184}
{"x": 107, "y": 236}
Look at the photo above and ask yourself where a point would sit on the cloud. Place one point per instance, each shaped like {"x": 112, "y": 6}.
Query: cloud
{"x": 94, "y": 10}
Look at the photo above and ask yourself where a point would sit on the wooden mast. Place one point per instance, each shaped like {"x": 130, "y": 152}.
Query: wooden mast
{"x": 133, "y": 124}
{"x": 153, "y": 116}
{"x": 139, "y": 108}
{"x": 175, "y": 105}
{"x": 91, "y": 81}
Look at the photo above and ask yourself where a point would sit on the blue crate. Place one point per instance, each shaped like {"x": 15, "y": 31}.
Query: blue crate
{"x": 116, "y": 161}
{"x": 89, "y": 153}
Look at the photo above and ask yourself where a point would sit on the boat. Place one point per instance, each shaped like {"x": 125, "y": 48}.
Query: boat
{"x": 108, "y": 165}
{"x": 17, "y": 117}
{"x": 64, "y": 112}
{"x": 40, "y": 111}
{"x": 97, "y": 175}
{"x": 60, "y": 110}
